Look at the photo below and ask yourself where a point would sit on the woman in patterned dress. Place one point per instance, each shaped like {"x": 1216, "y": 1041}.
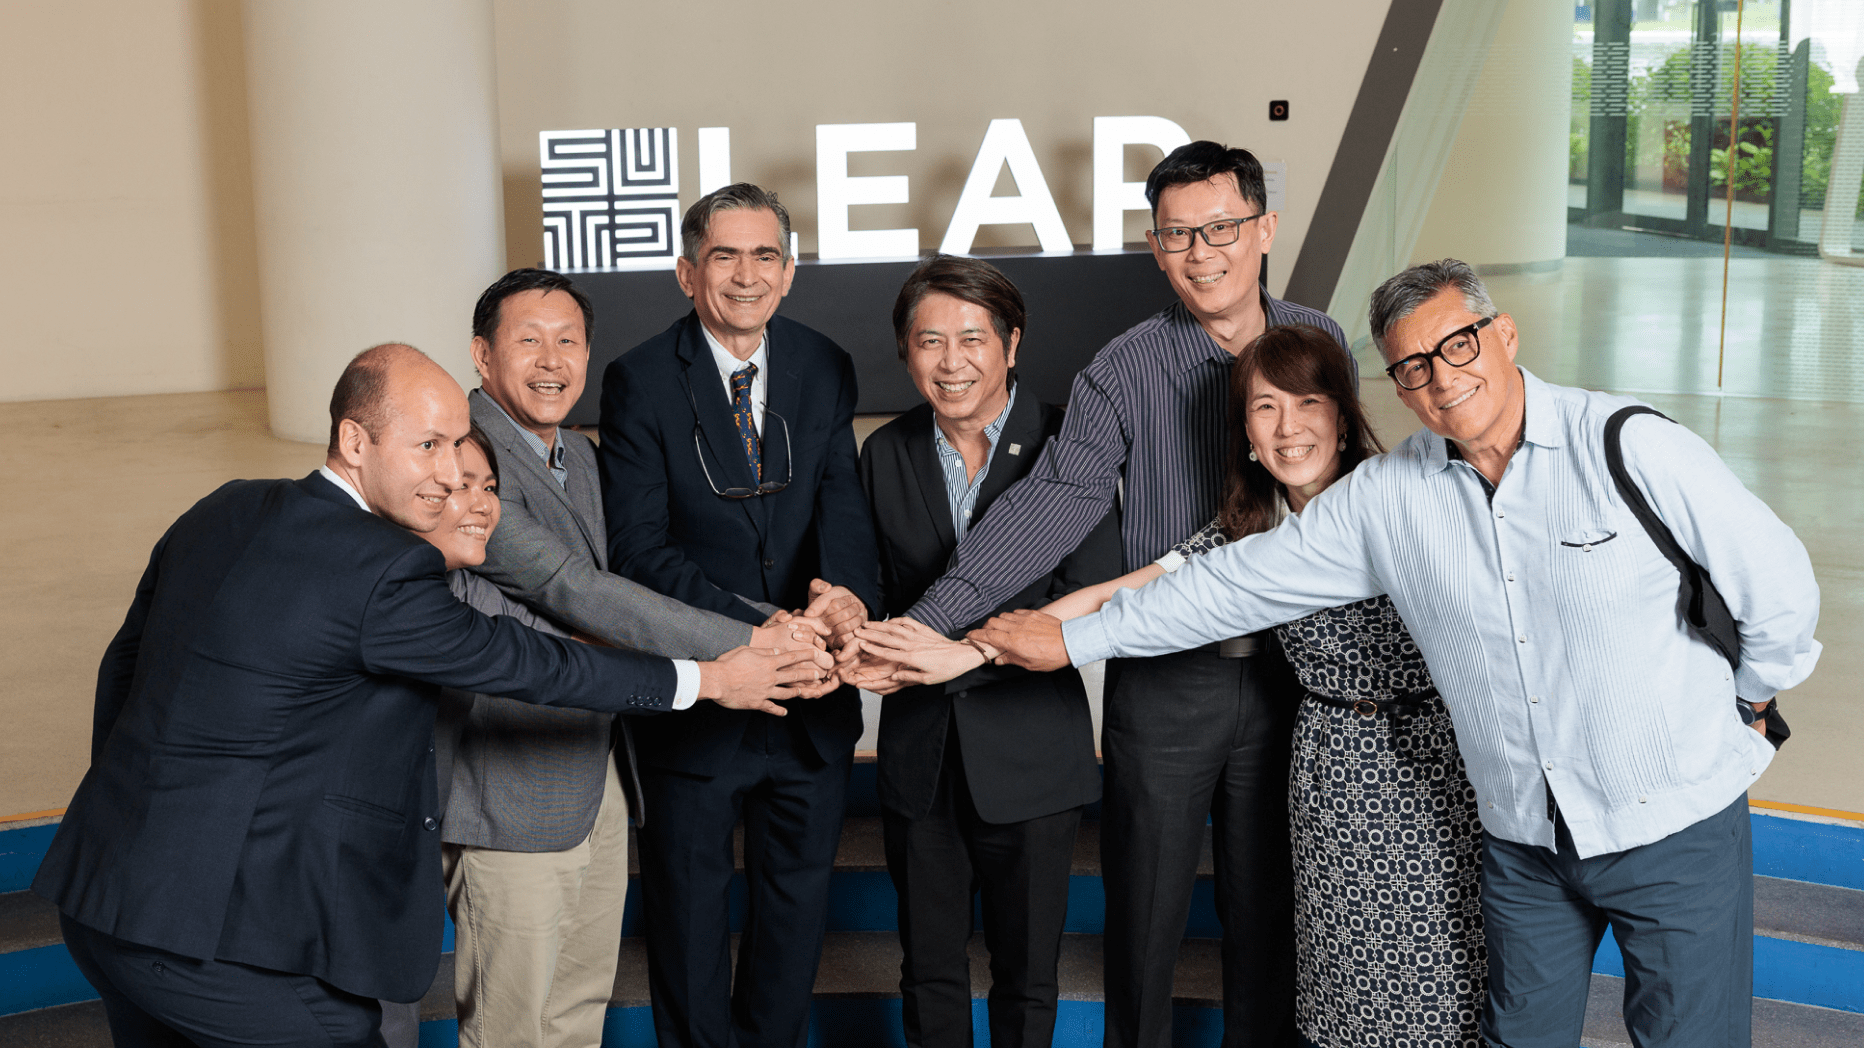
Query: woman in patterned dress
{"x": 1386, "y": 837}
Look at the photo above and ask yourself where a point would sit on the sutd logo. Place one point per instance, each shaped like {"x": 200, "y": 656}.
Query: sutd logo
{"x": 611, "y": 197}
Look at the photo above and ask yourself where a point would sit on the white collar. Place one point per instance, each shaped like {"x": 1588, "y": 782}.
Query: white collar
{"x": 727, "y": 363}
{"x": 344, "y": 486}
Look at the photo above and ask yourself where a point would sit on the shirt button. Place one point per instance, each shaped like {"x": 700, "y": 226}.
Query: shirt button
{"x": 1499, "y": 514}
{"x": 1491, "y": 804}
{"x": 964, "y": 694}
{"x": 431, "y": 823}
{"x": 1511, "y": 576}
{"x": 1533, "y": 698}
{"x": 770, "y": 564}
{"x": 1549, "y": 765}
{"x": 1521, "y": 638}
{"x": 1641, "y": 800}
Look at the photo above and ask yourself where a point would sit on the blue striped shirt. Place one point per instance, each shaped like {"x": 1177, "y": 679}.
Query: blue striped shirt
{"x": 960, "y": 492}
{"x": 1152, "y": 408}
{"x": 1548, "y": 617}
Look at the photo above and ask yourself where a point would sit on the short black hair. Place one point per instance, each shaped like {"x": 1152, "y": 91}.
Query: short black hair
{"x": 967, "y": 279}
{"x": 485, "y": 314}
{"x": 1201, "y": 161}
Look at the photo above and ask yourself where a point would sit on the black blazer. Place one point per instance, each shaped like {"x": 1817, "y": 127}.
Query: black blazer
{"x": 1028, "y": 737}
{"x": 663, "y": 404}
{"x": 261, "y": 787}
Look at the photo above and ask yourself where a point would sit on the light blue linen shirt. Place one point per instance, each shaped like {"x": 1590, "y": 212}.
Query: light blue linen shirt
{"x": 961, "y": 492}
{"x": 1548, "y": 618}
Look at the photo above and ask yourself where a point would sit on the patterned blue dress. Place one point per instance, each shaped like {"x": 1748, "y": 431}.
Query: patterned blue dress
{"x": 1387, "y": 843}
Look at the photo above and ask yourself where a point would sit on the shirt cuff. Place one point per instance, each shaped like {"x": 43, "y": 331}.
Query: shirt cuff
{"x": 1171, "y": 561}
{"x": 686, "y": 671}
{"x": 1086, "y": 640}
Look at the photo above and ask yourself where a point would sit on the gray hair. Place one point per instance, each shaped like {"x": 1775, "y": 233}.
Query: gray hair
{"x": 738, "y": 195}
{"x": 1400, "y": 296}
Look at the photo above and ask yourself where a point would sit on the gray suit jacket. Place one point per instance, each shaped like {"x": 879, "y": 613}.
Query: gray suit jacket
{"x": 536, "y": 786}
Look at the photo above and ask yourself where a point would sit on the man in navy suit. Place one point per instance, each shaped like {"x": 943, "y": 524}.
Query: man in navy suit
{"x": 251, "y": 857}
{"x": 730, "y": 483}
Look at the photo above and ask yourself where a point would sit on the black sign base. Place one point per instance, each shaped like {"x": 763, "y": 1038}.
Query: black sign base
{"x": 1077, "y": 304}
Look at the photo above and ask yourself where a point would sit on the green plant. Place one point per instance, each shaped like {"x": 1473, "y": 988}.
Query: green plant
{"x": 1753, "y": 164}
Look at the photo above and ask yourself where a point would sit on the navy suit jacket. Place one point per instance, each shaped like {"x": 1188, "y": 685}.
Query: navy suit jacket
{"x": 261, "y": 787}
{"x": 664, "y": 405}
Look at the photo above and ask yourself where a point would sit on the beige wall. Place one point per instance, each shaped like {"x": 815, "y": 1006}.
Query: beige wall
{"x": 125, "y": 204}
{"x": 125, "y": 172}
{"x": 1501, "y": 200}
{"x": 951, "y": 67}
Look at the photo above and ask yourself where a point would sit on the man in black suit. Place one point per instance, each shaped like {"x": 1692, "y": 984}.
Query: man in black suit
{"x": 251, "y": 857}
{"x": 729, "y": 480}
{"x": 982, "y": 778}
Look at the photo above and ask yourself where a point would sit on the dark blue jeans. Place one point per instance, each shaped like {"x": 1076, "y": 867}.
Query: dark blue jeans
{"x": 1682, "y": 910}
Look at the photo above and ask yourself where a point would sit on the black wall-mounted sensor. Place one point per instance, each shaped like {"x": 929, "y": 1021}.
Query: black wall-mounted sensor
{"x": 1278, "y": 110}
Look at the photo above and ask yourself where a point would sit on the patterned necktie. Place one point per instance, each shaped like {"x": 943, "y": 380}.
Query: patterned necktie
{"x": 741, "y": 413}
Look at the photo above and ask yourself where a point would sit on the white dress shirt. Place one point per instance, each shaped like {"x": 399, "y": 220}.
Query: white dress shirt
{"x": 1548, "y": 616}
{"x": 729, "y": 365}
{"x": 686, "y": 671}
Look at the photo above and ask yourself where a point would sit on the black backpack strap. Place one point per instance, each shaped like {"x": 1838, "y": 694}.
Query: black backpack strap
{"x": 1697, "y": 600}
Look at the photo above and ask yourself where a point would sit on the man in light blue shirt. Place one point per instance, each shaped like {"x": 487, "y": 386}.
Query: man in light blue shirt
{"x": 1608, "y": 754}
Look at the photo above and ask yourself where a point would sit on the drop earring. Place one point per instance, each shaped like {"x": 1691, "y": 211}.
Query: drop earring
{"x": 1252, "y": 455}
{"x": 1342, "y": 442}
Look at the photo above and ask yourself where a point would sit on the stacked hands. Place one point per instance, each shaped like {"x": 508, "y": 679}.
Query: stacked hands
{"x": 793, "y": 655}
{"x": 884, "y": 657}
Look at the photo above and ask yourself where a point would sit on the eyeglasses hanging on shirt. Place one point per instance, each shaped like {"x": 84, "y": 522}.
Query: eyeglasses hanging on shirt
{"x": 753, "y": 446}
{"x": 764, "y": 487}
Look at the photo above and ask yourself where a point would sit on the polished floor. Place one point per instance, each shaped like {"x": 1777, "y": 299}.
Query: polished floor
{"x": 95, "y": 482}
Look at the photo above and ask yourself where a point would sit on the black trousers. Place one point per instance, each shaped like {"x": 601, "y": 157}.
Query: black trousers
{"x": 791, "y": 802}
{"x": 1190, "y": 737}
{"x": 157, "y": 999}
{"x": 1021, "y": 869}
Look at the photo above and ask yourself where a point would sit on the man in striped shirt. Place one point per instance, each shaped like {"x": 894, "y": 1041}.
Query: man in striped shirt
{"x": 1188, "y": 735}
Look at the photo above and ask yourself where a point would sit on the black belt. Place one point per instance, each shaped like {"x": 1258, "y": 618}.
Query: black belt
{"x": 1368, "y": 707}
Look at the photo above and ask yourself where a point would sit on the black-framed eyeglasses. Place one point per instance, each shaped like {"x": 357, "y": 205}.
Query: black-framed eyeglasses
{"x": 768, "y": 487}
{"x": 1221, "y": 233}
{"x": 1459, "y": 349}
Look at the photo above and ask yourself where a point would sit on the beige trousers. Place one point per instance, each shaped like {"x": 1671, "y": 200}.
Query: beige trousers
{"x": 537, "y": 934}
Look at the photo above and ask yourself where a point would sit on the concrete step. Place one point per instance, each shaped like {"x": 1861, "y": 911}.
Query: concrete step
{"x": 1800, "y": 911}
{"x": 867, "y": 964}
{"x": 1777, "y": 1024}
{"x": 858, "y": 978}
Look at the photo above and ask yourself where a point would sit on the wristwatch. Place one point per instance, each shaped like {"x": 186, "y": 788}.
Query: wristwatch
{"x": 1751, "y": 712}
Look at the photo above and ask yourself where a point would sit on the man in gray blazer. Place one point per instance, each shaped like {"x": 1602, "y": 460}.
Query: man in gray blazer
{"x": 535, "y": 834}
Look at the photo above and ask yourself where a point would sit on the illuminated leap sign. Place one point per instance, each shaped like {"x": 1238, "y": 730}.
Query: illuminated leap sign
{"x": 611, "y": 197}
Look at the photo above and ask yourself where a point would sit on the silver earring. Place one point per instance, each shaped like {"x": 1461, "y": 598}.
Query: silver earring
{"x": 1252, "y": 455}
{"x": 1342, "y": 442}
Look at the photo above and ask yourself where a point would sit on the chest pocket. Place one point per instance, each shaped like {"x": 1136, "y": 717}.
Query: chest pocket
{"x": 1592, "y": 560}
